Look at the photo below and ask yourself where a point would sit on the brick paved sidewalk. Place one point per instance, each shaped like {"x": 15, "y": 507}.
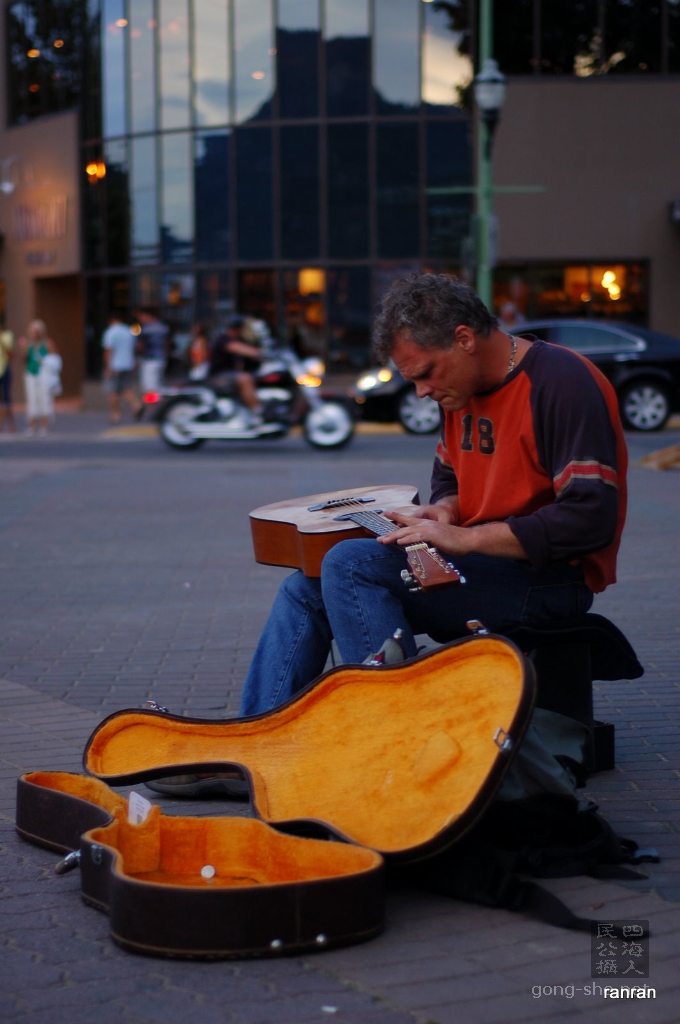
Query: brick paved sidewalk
{"x": 112, "y": 592}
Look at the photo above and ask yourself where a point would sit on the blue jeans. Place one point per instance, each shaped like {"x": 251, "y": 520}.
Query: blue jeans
{"x": 361, "y": 599}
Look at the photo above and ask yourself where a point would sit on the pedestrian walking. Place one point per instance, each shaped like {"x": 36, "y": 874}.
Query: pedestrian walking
{"x": 40, "y": 383}
{"x": 6, "y": 349}
{"x": 119, "y": 343}
{"x": 153, "y": 348}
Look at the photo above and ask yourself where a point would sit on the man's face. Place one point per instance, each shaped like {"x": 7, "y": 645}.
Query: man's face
{"x": 450, "y": 376}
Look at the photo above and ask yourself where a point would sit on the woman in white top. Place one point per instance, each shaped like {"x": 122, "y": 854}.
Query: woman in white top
{"x": 39, "y": 377}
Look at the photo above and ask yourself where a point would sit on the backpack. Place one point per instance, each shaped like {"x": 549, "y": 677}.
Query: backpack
{"x": 537, "y": 825}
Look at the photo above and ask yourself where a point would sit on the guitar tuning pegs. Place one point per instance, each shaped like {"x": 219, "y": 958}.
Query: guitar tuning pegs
{"x": 407, "y": 577}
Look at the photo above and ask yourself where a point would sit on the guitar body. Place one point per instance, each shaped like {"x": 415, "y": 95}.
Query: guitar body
{"x": 288, "y": 533}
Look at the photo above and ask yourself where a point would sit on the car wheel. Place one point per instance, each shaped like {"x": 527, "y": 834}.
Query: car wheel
{"x": 418, "y": 415}
{"x": 645, "y": 405}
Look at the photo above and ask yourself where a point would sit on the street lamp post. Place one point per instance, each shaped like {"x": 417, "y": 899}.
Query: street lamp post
{"x": 489, "y": 90}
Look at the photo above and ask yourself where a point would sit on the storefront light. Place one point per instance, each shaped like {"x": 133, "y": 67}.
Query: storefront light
{"x": 33, "y": 53}
{"x": 58, "y": 43}
{"x": 121, "y": 23}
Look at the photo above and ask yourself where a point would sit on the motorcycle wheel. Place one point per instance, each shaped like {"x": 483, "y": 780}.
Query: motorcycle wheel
{"x": 172, "y": 426}
{"x": 329, "y": 426}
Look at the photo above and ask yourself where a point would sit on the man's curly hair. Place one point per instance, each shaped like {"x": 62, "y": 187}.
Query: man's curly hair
{"x": 428, "y": 308}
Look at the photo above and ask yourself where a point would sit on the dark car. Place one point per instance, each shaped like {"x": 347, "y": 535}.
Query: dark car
{"x": 384, "y": 396}
{"x": 643, "y": 365}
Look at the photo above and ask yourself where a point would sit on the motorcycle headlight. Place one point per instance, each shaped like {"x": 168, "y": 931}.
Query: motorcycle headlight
{"x": 308, "y": 380}
{"x": 367, "y": 382}
{"x": 315, "y": 366}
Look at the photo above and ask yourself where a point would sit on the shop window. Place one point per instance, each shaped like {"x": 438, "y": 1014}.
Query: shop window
{"x": 114, "y": 86}
{"x": 612, "y": 291}
{"x": 143, "y": 200}
{"x": 116, "y": 186}
{"x": 257, "y": 295}
{"x": 304, "y": 321}
{"x": 214, "y": 303}
{"x": 513, "y": 29}
{"x": 349, "y": 317}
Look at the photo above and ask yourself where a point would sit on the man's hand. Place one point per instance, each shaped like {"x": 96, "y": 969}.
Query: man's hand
{"x": 445, "y": 511}
{"x": 496, "y": 539}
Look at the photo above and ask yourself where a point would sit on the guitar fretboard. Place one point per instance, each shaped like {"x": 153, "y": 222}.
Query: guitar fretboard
{"x": 373, "y": 521}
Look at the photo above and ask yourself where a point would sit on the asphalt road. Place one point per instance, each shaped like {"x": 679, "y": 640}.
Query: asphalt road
{"x": 126, "y": 573}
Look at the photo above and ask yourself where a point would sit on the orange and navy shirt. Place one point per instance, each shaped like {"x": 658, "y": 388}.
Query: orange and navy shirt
{"x": 545, "y": 453}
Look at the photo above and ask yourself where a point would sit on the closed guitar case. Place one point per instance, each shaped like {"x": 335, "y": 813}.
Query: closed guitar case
{"x": 389, "y": 763}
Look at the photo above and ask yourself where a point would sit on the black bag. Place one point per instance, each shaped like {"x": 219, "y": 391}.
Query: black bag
{"x": 536, "y": 826}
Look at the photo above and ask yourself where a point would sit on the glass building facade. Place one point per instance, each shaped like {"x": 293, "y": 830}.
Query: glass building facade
{"x": 272, "y": 158}
{"x": 290, "y": 158}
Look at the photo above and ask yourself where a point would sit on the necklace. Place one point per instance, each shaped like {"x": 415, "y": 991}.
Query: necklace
{"x": 513, "y": 353}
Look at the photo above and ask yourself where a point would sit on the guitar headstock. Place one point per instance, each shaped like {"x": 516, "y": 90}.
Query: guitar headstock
{"x": 429, "y": 569}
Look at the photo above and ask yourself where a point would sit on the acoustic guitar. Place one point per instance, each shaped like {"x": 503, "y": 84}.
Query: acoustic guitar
{"x": 298, "y": 533}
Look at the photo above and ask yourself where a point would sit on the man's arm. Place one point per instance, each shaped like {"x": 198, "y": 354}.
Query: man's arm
{"x": 495, "y": 539}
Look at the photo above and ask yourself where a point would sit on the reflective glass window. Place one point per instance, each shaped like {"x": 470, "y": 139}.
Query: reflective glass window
{"x": 143, "y": 200}
{"x": 673, "y": 36}
{"x": 44, "y": 49}
{"x": 348, "y": 209}
{"x": 94, "y": 208}
{"x": 142, "y": 66}
{"x": 253, "y": 59}
{"x": 92, "y": 99}
{"x": 632, "y": 37}
{"x": 304, "y": 327}
{"x": 214, "y": 302}
{"x": 173, "y": 34}
{"x": 571, "y": 40}
{"x": 396, "y": 69}
{"x": 256, "y": 295}
{"x": 397, "y": 190}
{"x": 146, "y": 289}
{"x": 117, "y": 203}
{"x": 114, "y": 92}
{"x": 348, "y": 57}
{"x": 177, "y": 198}
{"x": 297, "y": 58}
{"x": 211, "y": 63}
{"x": 254, "y": 190}
{"x": 299, "y": 191}
{"x": 447, "y": 67}
{"x": 212, "y": 184}
{"x": 349, "y": 317}
{"x": 513, "y": 35}
{"x": 591, "y": 338}
{"x": 449, "y": 165}
{"x": 177, "y": 311}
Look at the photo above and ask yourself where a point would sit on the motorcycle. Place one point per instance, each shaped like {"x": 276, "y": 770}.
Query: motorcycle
{"x": 289, "y": 390}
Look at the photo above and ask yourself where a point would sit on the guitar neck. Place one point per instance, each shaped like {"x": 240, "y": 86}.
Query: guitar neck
{"x": 373, "y": 521}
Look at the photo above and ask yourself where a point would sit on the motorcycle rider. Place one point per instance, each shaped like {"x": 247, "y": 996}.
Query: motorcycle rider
{"x": 234, "y": 356}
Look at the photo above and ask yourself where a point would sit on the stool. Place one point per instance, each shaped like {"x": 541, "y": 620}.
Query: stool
{"x": 567, "y": 656}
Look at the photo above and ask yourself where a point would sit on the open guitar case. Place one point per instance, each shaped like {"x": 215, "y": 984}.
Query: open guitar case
{"x": 366, "y": 766}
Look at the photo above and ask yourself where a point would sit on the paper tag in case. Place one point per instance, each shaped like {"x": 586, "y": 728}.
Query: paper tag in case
{"x": 138, "y": 808}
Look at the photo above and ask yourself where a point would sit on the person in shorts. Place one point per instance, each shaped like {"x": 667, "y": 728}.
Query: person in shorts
{"x": 119, "y": 367}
